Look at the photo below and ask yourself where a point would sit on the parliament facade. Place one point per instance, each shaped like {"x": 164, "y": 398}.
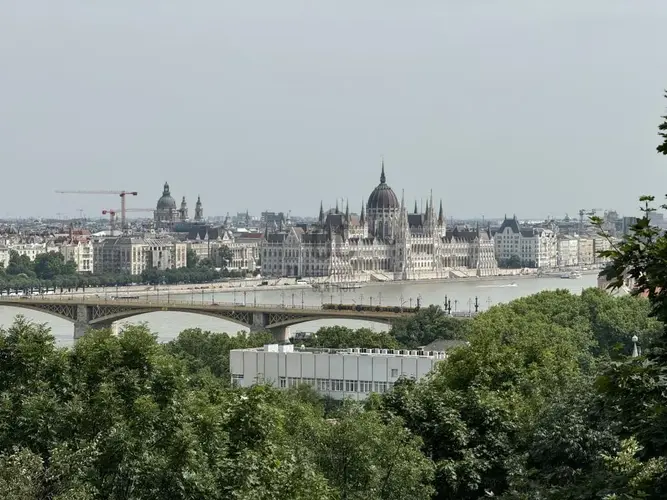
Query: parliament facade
{"x": 385, "y": 242}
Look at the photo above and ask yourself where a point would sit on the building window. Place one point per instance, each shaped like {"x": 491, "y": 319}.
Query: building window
{"x": 323, "y": 384}
{"x": 351, "y": 385}
{"x": 237, "y": 379}
{"x": 308, "y": 381}
{"x": 365, "y": 386}
{"x": 394, "y": 372}
{"x": 337, "y": 385}
{"x": 283, "y": 382}
{"x": 380, "y": 387}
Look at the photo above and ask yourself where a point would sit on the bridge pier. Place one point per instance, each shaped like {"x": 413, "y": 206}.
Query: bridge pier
{"x": 260, "y": 324}
{"x": 82, "y": 321}
{"x": 280, "y": 333}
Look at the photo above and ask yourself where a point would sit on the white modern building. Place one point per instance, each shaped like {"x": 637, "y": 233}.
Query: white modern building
{"x": 337, "y": 373}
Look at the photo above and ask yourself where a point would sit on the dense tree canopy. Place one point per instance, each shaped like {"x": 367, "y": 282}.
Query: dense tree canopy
{"x": 529, "y": 409}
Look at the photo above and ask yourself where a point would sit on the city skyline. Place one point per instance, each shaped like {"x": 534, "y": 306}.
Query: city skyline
{"x": 516, "y": 108}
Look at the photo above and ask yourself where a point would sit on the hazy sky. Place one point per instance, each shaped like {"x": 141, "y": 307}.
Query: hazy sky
{"x": 498, "y": 106}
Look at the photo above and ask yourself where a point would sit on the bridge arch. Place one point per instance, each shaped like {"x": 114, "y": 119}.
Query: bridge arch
{"x": 119, "y": 316}
{"x": 338, "y": 319}
{"x": 66, "y": 311}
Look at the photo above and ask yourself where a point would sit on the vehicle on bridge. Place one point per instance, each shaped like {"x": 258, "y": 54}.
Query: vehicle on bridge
{"x": 368, "y": 308}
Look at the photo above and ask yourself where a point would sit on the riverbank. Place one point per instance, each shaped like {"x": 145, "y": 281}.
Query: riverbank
{"x": 282, "y": 284}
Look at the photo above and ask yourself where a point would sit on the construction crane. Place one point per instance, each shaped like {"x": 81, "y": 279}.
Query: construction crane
{"x": 111, "y": 212}
{"x": 122, "y": 194}
{"x": 590, "y": 212}
{"x": 112, "y": 219}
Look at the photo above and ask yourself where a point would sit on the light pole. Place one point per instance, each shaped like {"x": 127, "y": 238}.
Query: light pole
{"x": 234, "y": 296}
{"x": 302, "y": 297}
{"x": 635, "y": 350}
{"x": 254, "y": 297}
{"x": 282, "y": 299}
{"x": 202, "y": 296}
{"x": 292, "y": 301}
{"x": 244, "y": 297}
{"x": 380, "y": 299}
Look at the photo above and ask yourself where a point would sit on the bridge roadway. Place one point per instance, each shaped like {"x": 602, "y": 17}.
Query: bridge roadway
{"x": 96, "y": 312}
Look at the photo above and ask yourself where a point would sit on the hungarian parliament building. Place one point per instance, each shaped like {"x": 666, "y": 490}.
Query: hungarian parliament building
{"x": 385, "y": 242}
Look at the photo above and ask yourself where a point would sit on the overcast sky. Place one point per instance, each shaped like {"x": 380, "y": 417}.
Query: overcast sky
{"x": 499, "y": 106}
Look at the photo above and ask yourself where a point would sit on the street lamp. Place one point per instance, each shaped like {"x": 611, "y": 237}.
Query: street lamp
{"x": 635, "y": 351}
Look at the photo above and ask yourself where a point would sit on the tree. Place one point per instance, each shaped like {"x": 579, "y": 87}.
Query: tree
{"x": 428, "y": 325}
{"x": 662, "y": 132}
{"x": 514, "y": 262}
{"x": 49, "y": 265}
{"x": 225, "y": 255}
{"x": 191, "y": 259}
{"x": 366, "y": 458}
{"x": 337, "y": 337}
{"x": 19, "y": 264}
{"x": 205, "y": 350}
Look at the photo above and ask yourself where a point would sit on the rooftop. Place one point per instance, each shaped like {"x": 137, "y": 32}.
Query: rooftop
{"x": 355, "y": 351}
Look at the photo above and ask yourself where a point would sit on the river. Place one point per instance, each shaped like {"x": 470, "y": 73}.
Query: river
{"x": 462, "y": 295}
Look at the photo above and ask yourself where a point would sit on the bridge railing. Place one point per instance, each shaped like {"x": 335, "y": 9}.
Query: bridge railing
{"x": 151, "y": 300}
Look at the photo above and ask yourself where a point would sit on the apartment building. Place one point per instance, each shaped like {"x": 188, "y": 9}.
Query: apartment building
{"x": 79, "y": 252}
{"x": 568, "y": 251}
{"x": 134, "y": 255}
{"x": 534, "y": 247}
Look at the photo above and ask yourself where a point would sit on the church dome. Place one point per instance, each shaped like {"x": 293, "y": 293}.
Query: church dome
{"x": 383, "y": 197}
{"x": 166, "y": 202}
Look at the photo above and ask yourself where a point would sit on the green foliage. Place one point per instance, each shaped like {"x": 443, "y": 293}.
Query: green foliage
{"x": 191, "y": 258}
{"x": 338, "y": 337}
{"x": 662, "y": 132}
{"x": 225, "y": 255}
{"x": 427, "y": 325}
{"x": 204, "y": 350}
{"x": 49, "y": 271}
{"x": 514, "y": 262}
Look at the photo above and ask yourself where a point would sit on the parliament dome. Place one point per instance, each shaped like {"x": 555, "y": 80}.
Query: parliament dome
{"x": 382, "y": 197}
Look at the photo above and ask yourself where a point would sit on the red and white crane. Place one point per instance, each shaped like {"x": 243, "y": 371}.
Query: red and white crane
{"x": 122, "y": 194}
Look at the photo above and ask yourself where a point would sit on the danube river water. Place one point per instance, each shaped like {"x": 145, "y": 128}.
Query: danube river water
{"x": 462, "y": 295}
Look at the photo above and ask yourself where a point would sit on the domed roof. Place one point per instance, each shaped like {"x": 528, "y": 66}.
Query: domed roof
{"x": 383, "y": 197}
{"x": 166, "y": 202}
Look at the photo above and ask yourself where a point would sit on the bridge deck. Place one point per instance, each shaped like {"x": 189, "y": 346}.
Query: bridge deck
{"x": 169, "y": 304}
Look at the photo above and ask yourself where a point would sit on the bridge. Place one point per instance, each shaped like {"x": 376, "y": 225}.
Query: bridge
{"x": 88, "y": 312}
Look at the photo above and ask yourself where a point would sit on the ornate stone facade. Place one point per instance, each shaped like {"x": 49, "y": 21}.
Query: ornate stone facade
{"x": 384, "y": 243}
